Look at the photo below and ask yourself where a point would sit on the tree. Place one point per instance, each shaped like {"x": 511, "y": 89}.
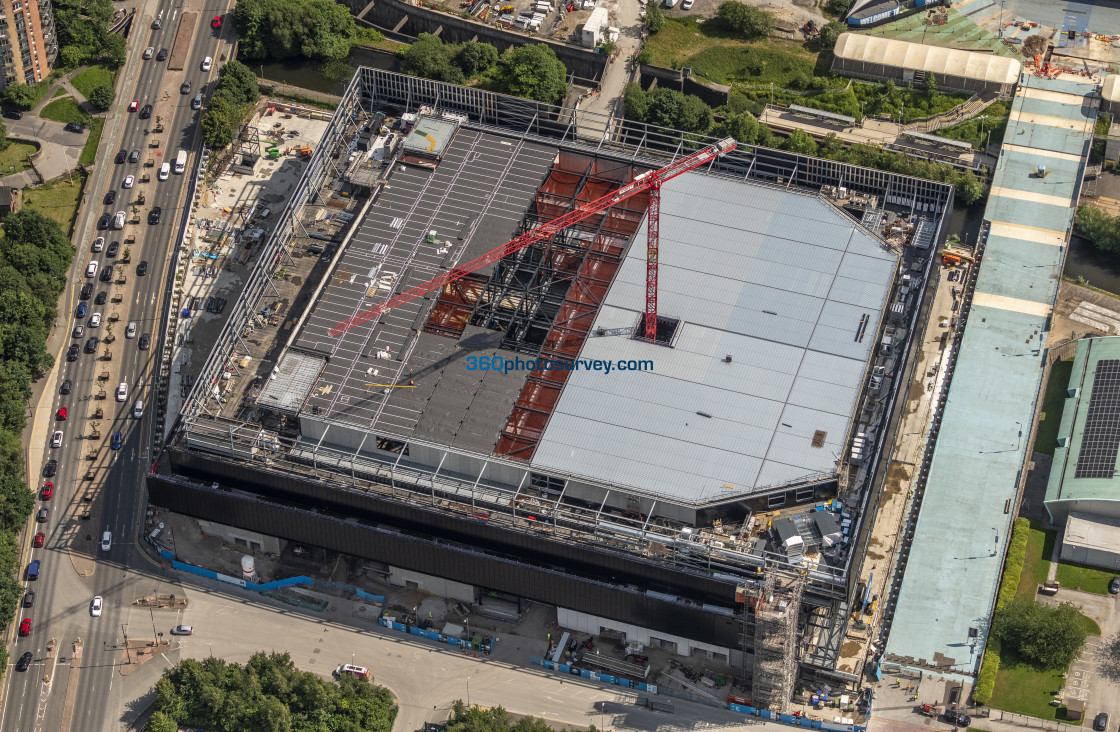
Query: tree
{"x": 969, "y": 188}
{"x": 830, "y": 33}
{"x": 1100, "y": 228}
{"x": 219, "y": 122}
{"x": 742, "y": 126}
{"x": 800, "y": 142}
{"x": 655, "y": 19}
{"x": 102, "y": 97}
{"x": 283, "y": 29}
{"x": 476, "y": 58}
{"x": 114, "y": 50}
{"x": 930, "y": 84}
{"x": 744, "y": 20}
{"x": 426, "y": 57}
{"x": 20, "y": 95}
{"x": 533, "y": 72}
{"x": 4, "y": 141}
{"x": 1042, "y": 636}
{"x": 239, "y": 81}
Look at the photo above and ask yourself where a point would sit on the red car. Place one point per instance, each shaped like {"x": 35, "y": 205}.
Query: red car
{"x": 62, "y": 413}
{"x": 216, "y": 22}
{"x": 40, "y": 538}
{"x": 134, "y": 105}
{"x": 48, "y": 491}
{"x": 25, "y": 627}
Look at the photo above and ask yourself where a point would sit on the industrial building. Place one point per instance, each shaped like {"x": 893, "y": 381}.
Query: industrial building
{"x": 903, "y": 62}
{"x": 513, "y": 435}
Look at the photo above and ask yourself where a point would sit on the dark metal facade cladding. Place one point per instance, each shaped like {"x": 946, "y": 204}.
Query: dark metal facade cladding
{"x": 534, "y": 567}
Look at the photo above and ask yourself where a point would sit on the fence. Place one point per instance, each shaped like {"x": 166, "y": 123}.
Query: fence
{"x": 466, "y": 645}
{"x": 1025, "y": 721}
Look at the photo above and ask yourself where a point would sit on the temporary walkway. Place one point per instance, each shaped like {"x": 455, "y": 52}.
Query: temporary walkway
{"x": 943, "y": 605}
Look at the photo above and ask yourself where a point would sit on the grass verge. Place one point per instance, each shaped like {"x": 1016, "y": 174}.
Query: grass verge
{"x": 89, "y": 152}
{"x": 1022, "y": 689}
{"x": 58, "y": 200}
{"x": 1046, "y": 438}
{"x": 1084, "y": 578}
{"x": 64, "y": 109}
{"x": 15, "y": 157}
{"x": 1036, "y": 564}
{"x": 88, "y": 79}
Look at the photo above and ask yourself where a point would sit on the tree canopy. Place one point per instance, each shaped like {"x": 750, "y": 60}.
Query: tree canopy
{"x": 830, "y": 33}
{"x": 267, "y": 694}
{"x": 102, "y": 97}
{"x": 83, "y": 32}
{"x": 285, "y": 29}
{"x": 234, "y": 93}
{"x": 494, "y": 719}
{"x": 745, "y": 20}
{"x": 667, "y": 108}
{"x": 1099, "y": 227}
{"x": 655, "y": 19}
{"x": 532, "y": 71}
{"x": 1042, "y": 636}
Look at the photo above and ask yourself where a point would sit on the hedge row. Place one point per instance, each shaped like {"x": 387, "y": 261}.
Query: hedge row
{"x": 986, "y": 683}
{"x": 1013, "y": 566}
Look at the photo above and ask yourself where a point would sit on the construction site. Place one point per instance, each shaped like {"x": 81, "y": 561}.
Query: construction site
{"x": 648, "y": 381}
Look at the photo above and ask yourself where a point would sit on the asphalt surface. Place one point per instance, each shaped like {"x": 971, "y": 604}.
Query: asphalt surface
{"x": 73, "y": 568}
{"x": 59, "y": 152}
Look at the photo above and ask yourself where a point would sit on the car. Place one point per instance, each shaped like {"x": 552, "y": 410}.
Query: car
{"x": 95, "y": 607}
{"x": 216, "y": 22}
{"x": 957, "y": 719}
{"x": 25, "y": 627}
{"x": 110, "y": 199}
{"x": 121, "y": 157}
{"x": 154, "y": 214}
{"x": 24, "y": 662}
{"x": 74, "y": 127}
{"x": 128, "y": 181}
{"x": 130, "y": 331}
{"x": 1114, "y": 586}
{"x": 144, "y": 342}
{"x": 1100, "y": 722}
{"x": 56, "y": 439}
{"x": 116, "y": 441}
{"x": 104, "y": 221}
{"x": 81, "y": 311}
{"x": 149, "y": 52}
{"x": 66, "y": 388}
{"x": 118, "y": 220}
{"x": 78, "y": 332}
{"x": 99, "y": 242}
{"x": 48, "y": 487}
{"x": 72, "y": 353}
{"x": 114, "y": 247}
{"x": 142, "y": 268}
{"x": 686, "y": 5}
{"x": 13, "y": 114}
{"x": 122, "y": 391}
{"x": 50, "y": 468}
{"x": 87, "y": 291}
{"x": 146, "y": 111}
{"x": 95, "y": 320}
{"x": 182, "y": 630}
{"x": 185, "y": 87}
{"x": 43, "y": 515}
{"x": 63, "y": 412}
{"x": 207, "y": 63}
{"x": 107, "y": 273}
{"x": 157, "y": 24}
{"x": 162, "y": 55}
{"x": 91, "y": 345}
{"x": 29, "y": 596}
{"x": 40, "y": 539}
{"x": 100, "y": 299}
{"x": 164, "y": 171}
{"x": 134, "y": 105}
{"x": 134, "y": 156}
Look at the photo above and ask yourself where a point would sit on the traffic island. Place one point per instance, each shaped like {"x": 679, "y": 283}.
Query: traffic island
{"x": 138, "y": 652}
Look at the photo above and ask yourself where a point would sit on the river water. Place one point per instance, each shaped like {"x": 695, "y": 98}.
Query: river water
{"x": 331, "y": 77}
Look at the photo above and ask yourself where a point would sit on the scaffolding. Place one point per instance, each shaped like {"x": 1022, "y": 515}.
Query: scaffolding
{"x": 777, "y": 609}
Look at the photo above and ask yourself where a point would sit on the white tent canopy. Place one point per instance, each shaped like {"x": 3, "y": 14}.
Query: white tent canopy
{"x": 931, "y": 59}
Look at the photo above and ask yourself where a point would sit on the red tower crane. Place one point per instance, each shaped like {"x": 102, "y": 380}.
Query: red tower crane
{"x": 650, "y": 181}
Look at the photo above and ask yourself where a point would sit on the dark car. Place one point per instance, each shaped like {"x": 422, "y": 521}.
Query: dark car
{"x": 110, "y": 198}
{"x": 24, "y": 662}
{"x": 50, "y": 468}
{"x": 121, "y": 156}
{"x": 91, "y": 345}
{"x": 100, "y": 299}
{"x": 66, "y": 388}
{"x": 154, "y": 214}
{"x": 75, "y": 127}
{"x": 29, "y": 596}
{"x": 134, "y": 156}
{"x": 157, "y": 24}
{"x": 103, "y": 222}
{"x": 142, "y": 268}
{"x": 117, "y": 440}
{"x": 87, "y": 292}
{"x": 957, "y": 719}
{"x": 1114, "y": 586}
{"x": 185, "y": 87}
{"x": 43, "y": 515}
{"x": 72, "y": 353}
{"x": 107, "y": 273}
{"x": 146, "y": 111}
{"x": 13, "y": 114}
{"x": 162, "y": 55}
{"x": 1101, "y": 722}
{"x": 114, "y": 247}
{"x": 80, "y": 312}
{"x": 144, "y": 342}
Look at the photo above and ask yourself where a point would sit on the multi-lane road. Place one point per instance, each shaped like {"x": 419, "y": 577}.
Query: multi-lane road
{"x": 74, "y": 570}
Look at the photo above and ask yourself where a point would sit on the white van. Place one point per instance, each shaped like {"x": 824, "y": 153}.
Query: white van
{"x": 138, "y": 409}
{"x": 360, "y": 671}
{"x": 91, "y": 269}
{"x": 164, "y": 171}
{"x": 181, "y": 162}
{"x": 106, "y": 541}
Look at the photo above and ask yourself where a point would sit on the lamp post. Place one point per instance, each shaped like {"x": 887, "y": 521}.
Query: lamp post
{"x": 468, "y": 692}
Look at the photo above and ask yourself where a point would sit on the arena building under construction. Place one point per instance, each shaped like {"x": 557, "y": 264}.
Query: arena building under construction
{"x": 513, "y": 434}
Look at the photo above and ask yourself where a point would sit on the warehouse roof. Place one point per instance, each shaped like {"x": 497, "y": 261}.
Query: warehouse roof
{"x": 932, "y": 59}
{"x": 1110, "y": 89}
{"x": 771, "y": 287}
